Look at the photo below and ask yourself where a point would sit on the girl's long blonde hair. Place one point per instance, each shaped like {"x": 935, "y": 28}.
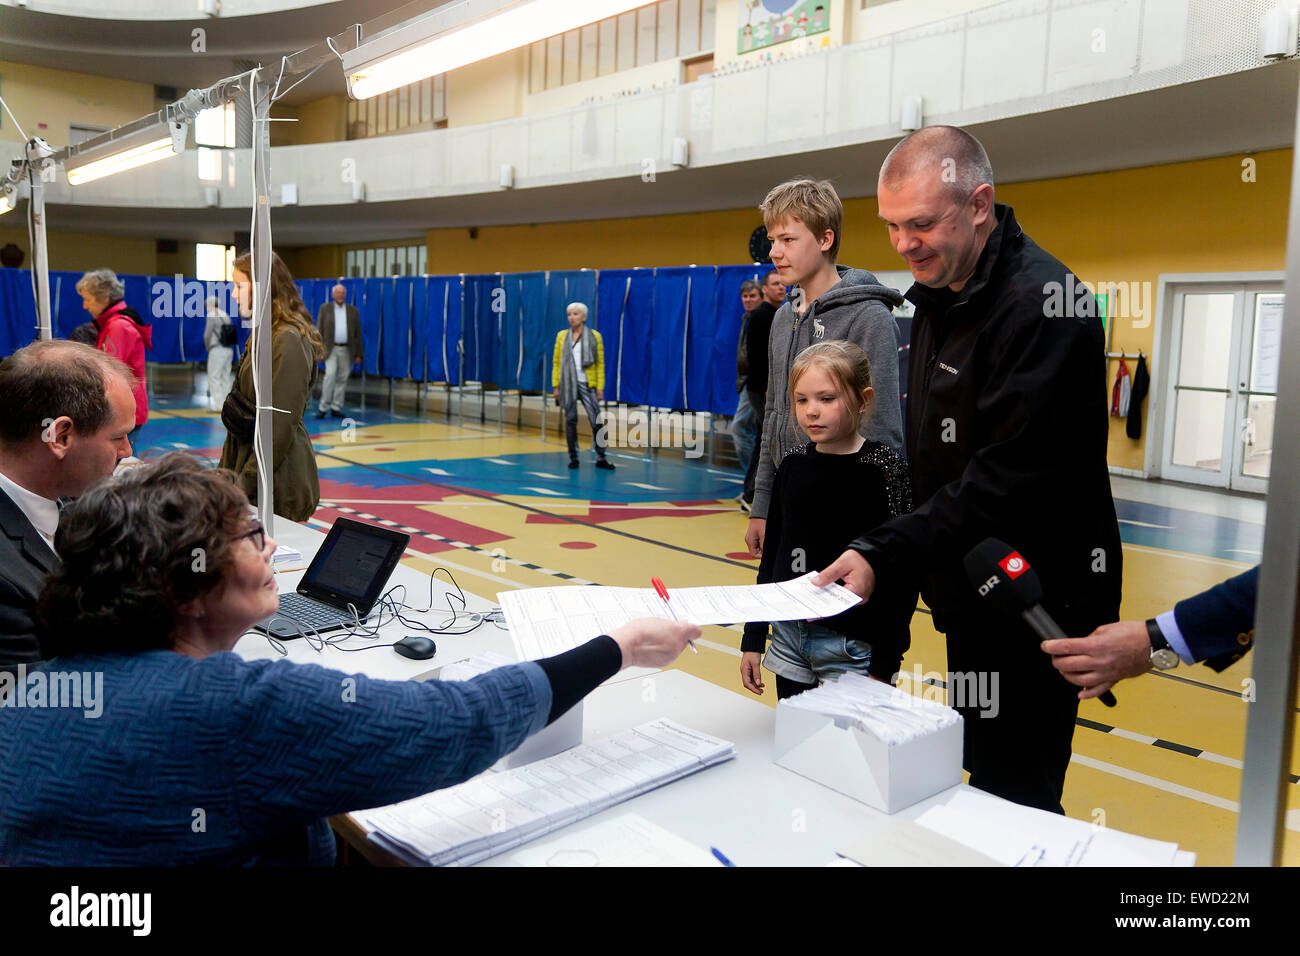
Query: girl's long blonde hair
{"x": 286, "y": 304}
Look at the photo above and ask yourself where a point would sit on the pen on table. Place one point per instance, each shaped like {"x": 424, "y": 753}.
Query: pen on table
{"x": 663, "y": 593}
{"x": 718, "y": 854}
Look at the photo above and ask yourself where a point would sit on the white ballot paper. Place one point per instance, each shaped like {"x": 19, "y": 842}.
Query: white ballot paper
{"x": 548, "y": 621}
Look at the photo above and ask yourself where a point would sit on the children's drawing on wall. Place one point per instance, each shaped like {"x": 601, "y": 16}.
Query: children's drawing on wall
{"x": 764, "y": 23}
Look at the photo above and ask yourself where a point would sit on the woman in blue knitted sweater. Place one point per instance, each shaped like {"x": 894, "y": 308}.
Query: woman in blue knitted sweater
{"x": 177, "y": 751}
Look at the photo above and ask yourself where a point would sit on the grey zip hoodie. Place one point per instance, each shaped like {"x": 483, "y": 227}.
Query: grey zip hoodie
{"x": 856, "y": 309}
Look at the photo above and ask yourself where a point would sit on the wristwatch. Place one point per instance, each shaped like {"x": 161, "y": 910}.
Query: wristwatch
{"x": 1163, "y": 657}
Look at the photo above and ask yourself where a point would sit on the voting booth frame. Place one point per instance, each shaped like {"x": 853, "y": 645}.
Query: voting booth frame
{"x": 670, "y": 334}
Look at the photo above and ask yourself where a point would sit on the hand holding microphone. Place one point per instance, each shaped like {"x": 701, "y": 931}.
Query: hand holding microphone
{"x": 1006, "y": 581}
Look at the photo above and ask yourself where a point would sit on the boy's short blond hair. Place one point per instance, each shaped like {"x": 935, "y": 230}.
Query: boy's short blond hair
{"x": 812, "y": 202}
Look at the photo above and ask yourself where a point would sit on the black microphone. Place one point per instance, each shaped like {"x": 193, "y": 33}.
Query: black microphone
{"x": 1005, "y": 579}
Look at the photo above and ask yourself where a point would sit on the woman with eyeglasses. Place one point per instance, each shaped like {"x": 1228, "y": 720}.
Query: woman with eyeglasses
{"x": 191, "y": 754}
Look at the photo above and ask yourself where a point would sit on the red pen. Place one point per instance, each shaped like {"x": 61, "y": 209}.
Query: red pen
{"x": 663, "y": 593}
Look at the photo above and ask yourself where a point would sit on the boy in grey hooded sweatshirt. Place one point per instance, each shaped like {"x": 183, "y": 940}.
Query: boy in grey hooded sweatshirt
{"x": 856, "y": 308}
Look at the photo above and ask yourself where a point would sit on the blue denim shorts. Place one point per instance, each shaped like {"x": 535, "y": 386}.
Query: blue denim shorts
{"x": 807, "y": 652}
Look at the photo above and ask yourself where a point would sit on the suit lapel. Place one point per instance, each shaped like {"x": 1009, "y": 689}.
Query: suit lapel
{"x": 24, "y": 536}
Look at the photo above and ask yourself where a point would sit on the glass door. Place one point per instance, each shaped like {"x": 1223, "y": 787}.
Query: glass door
{"x": 1222, "y": 385}
{"x": 1257, "y": 391}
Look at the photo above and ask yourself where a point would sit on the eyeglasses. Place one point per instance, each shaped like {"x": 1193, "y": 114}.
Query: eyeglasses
{"x": 257, "y": 533}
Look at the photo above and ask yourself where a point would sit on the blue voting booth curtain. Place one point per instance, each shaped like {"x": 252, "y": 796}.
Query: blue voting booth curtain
{"x": 419, "y": 327}
{"x": 527, "y": 340}
{"x": 726, "y": 340}
{"x": 395, "y": 359}
{"x": 625, "y": 305}
{"x": 701, "y": 329}
{"x": 17, "y": 310}
{"x": 66, "y": 310}
{"x": 371, "y": 331}
{"x": 444, "y": 329}
{"x": 480, "y": 319}
{"x": 667, "y": 381}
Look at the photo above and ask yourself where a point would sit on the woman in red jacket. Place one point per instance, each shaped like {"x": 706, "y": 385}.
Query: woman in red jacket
{"x": 121, "y": 333}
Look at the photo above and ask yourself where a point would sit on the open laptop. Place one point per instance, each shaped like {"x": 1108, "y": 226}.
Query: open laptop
{"x": 352, "y": 566}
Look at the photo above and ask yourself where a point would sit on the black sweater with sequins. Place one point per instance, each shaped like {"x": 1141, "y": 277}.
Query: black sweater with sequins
{"x": 820, "y": 503}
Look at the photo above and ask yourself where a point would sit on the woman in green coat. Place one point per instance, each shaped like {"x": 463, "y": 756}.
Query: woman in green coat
{"x": 295, "y": 349}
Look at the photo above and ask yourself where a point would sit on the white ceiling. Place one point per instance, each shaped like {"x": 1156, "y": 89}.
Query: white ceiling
{"x": 159, "y": 52}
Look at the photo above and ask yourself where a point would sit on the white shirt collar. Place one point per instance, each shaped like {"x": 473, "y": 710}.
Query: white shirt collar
{"x": 43, "y": 513}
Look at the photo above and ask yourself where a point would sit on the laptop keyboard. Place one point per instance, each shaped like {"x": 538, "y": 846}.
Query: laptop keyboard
{"x": 311, "y": 613}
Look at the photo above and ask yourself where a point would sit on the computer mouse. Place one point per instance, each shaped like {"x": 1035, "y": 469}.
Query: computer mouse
{"x": 415, "y": 647}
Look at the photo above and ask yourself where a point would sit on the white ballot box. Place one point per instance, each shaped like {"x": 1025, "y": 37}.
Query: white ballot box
{"x": 876, "y": 744}
{"x": 555, "y": 738}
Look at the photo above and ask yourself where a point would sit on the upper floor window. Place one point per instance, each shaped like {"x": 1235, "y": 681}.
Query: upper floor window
{"x": 408, "y": 109}
{"x": 404, "y": 260}
{"x": 657, "y": 31}
{"x": 214, "y": 131}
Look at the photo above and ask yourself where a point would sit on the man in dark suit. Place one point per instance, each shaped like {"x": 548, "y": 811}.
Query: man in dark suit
{"x": 339, "y": 323}
{"x": 68, "y": 410}
{"x": 1216, "y": 626}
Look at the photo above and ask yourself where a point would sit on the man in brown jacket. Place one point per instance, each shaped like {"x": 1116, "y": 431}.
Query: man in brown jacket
{"x": 339, "y": 324}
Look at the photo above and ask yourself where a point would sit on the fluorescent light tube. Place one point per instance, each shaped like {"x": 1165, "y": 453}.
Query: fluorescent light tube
{"x": 127, "y": 159}
{"x": 144, "y": 141}
{"x": 422, "y": 49}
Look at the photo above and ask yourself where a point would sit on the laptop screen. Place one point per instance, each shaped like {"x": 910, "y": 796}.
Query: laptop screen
{"x": 353, "y": 564}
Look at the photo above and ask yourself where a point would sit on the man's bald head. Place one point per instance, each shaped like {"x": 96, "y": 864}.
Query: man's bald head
{"x": 952, "y": 156}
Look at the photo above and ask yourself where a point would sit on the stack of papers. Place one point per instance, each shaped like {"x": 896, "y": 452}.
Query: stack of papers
{"x": 496, "y": 812}
{"x": 1023, "y": 836}
{"x": 548, "y": 621}
{"x": 285, "y": 555}
{"x": 882, "y": 710}
{"x": 473, "y": 666}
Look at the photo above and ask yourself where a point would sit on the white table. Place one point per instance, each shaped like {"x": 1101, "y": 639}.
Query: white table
{"x": 756, "y": 813}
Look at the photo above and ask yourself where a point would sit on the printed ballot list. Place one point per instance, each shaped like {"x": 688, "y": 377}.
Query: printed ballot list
{"x": 495, "y": 812}
{"x": 547, "y": 621}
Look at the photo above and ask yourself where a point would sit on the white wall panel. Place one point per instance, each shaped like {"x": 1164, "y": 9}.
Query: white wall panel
{"x": 1001, "y": 44}
{"x": 1164, "y": 34}
{"x": 927, "y": 66}
{"x": 796, "y": 101}
{"x": 1092, "y": 42}
{"x": 857, "y": 94}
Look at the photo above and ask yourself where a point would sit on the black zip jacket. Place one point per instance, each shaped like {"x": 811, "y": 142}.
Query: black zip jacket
{"x": 1006, "y": 438}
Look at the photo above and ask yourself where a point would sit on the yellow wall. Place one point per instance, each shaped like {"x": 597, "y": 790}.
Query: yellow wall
{"x": 322, "y": 121}
{"x": 313, "y": 262}
{"x": 1124, "y": 226}
{"x": 84, "y": 251}
{"x": 45, "y": 101}
{"x": 489, "y": 90}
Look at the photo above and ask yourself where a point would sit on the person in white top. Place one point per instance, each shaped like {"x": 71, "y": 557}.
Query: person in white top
{"x": 221, "y": 357}
{"x": 68, "y": 410}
